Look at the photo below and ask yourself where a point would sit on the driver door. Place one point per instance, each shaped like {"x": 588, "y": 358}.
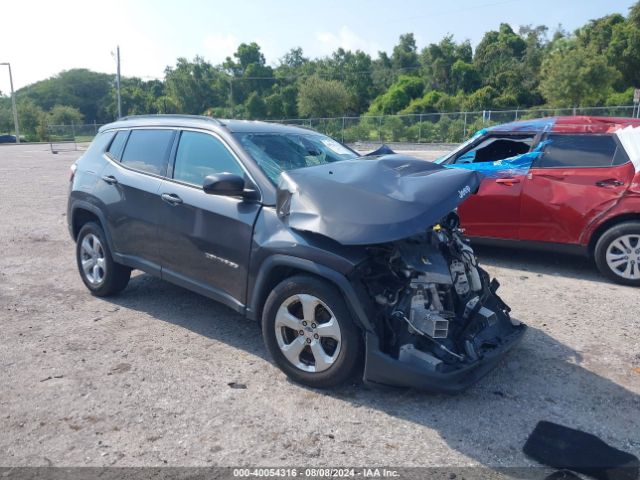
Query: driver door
{"x": 206, "y": 239}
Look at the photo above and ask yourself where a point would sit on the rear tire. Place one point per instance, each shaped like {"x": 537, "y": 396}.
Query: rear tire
{"x": 100, "y": 274}
{"x": 310, "y": 334}
{"x": 617, "y": 253}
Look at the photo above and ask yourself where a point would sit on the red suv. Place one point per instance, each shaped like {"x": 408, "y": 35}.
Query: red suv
{"x": 568, "y": 184}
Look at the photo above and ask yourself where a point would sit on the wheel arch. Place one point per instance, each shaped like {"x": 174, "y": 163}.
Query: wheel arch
{"x": 279, "y": 267}
{"x": 83, "y": 212}
{"x": 606, "y": 225}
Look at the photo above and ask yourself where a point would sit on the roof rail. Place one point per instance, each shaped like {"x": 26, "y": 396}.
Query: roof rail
{"x": 172, "y": 115}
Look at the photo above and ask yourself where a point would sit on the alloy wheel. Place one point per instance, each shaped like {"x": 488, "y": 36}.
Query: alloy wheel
{"x": 623, "y": 256}
{"x": 92, "y": 259}
{"x": 307, "y": 332}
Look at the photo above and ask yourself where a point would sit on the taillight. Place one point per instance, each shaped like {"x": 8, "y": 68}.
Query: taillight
{"x": 72, "y": 172}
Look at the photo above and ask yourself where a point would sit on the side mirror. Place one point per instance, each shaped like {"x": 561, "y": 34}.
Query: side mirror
{"x": 226, "y": 184}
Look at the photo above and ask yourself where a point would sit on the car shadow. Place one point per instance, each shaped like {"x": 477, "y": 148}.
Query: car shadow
{"x": 541, "y": 379}
{"x": 546, "y": 263}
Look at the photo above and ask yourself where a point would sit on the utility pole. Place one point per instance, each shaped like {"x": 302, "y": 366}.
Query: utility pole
{"x": 118, "y": 81}
{"x": 13, "y": 103}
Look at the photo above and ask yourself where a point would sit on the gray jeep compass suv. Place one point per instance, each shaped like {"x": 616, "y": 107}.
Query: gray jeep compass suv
{"x": 351, "y": 264}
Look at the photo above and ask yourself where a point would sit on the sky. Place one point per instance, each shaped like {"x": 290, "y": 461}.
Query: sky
{"x": 42, "y": 38}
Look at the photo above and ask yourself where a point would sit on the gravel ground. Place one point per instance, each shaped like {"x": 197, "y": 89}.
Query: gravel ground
{"x": 161, "y": 376}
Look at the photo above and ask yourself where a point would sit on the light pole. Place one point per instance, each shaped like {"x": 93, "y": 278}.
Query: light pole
{"x": 117, "y": 56}
{"x": 13, "y": 103}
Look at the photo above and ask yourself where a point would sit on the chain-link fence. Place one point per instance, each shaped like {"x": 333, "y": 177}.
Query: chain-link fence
{"x": 449, "y": 127}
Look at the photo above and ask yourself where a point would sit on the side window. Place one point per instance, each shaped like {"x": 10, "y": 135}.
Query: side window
{"x": 620, "y": 157}
{"x": 201, "y": 154}
{"x": 115, "y": 149}
{"x": 495, "y": 148}
{"x": 574, "y": 151}
{"x": 147, "y": 150}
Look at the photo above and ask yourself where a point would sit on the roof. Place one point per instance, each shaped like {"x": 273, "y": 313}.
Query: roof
{"x": 198, "y": 121}
{"x": 574, "y": 124}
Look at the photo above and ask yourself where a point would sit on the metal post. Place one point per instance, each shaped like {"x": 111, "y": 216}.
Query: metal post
{"x": 420, "y": 128}
{"x": 342, "y": 129}
{"x": 464, "y": 130}
{"x": 13, "y": 104}
{"x": 380, "y": 128}
{"x": 118, "y": 81}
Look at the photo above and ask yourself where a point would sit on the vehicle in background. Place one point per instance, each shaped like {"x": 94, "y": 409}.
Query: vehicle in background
{"x": 347, "y": 262}
{"x": 7, "y": 139}
{"x": 566, "y": 184}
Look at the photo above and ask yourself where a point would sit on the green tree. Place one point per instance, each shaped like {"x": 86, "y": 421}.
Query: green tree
{"x": 464, "y": 76}
{"x": 322, "y": 98}
{"x": 89, "y": 92}
{"x": 438, "y": 59}
{"x": 256, "y": 106}
{"x": 195, "y": 86}
{"x": 6, "y": 119}
{"x": 623, "y": 51}
{"x": 575, "y": 76}
{"x": 30, "y": 116}
{"x": 353, "y": 70}
{"x": 65, "y": 115}
{"x": 382, "y": 74}
{"x": 405, "y": 55}
{"x": 249, "y": 71}
{"x": 399, "y": 95}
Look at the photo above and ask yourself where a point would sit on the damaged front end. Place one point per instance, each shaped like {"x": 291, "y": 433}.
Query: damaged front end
{"x": 433, "y": 318}
{"x": 439, "y": 322}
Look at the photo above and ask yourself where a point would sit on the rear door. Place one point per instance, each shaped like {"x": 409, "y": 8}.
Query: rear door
{"x": 129, "y": 188}
{"x": 206, "y": 239}
{"x": 577, "y": 177}
{"x": 495, "y": 210}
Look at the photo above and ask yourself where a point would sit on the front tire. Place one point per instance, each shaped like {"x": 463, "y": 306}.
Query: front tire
{"x": 101, "y": 275}
{"x": 617, "y": 253}
{"x": 310, "y": 334}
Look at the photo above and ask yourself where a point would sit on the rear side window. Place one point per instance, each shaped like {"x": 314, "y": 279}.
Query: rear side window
{"x": 148, "y": 150}
{"x": 571, "y": 151}
{"x": 199, "y": 155}
{"x": 115, "y": 149}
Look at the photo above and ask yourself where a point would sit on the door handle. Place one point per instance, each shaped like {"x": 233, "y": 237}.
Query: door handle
{"x": 509, "y": 182}
{"x": 110, "y": 179}
{"x": 171, "y": 198}
{"x": 610, "y": 182}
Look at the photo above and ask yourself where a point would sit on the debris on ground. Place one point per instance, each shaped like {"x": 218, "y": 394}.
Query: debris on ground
{"x": 566, "y": 448}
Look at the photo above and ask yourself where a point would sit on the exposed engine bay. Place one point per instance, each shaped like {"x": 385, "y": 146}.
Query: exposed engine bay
{"x": 436, "y": 308}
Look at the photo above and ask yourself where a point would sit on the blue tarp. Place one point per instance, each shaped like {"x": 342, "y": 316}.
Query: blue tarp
{"x": 508, "y": 167}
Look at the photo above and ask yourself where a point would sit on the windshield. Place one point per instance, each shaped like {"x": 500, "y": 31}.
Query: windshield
{"x": 460, "y": 147}
{"x": 278, "y": 152}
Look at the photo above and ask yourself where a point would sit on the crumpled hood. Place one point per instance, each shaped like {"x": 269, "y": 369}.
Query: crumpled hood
{"x": 369, "y": 201}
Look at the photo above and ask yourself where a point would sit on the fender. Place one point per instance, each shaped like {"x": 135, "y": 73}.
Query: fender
{"x": 627, "y": 208}
{"x": 77, "y": 204}
{"x": 338, "y": 279}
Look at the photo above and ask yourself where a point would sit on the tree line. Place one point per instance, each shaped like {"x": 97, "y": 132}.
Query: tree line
{"x": 596, "y": 65}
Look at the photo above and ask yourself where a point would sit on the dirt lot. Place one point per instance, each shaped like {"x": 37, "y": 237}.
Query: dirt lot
{"x": 144, "y": 378}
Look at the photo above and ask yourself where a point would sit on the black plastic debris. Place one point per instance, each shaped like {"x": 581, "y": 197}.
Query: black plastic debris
{"x": 384, "y": 149}
{"x": 565, "y": 448}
